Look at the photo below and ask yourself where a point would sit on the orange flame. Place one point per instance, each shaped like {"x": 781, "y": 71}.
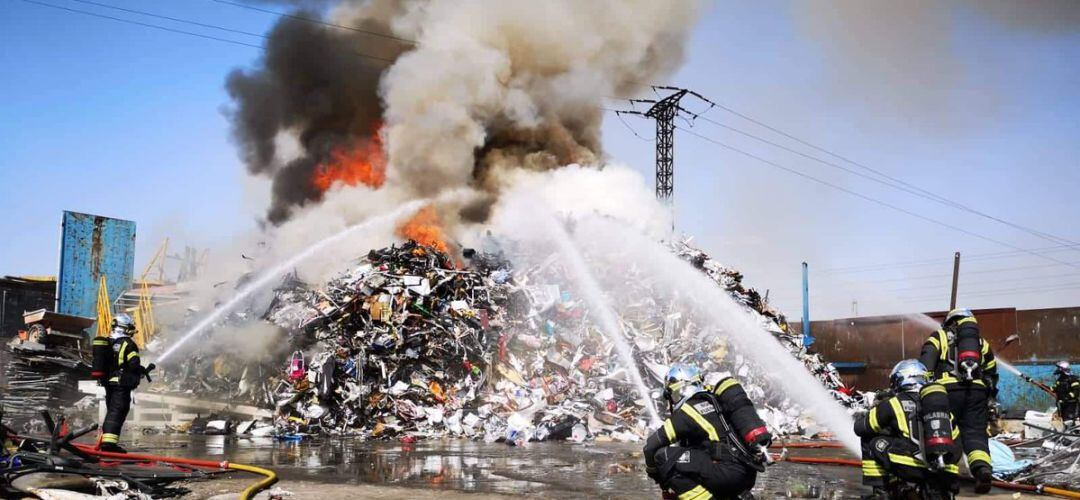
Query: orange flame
{"x": 425, "y": 228}
{"x": 364, "y": 163}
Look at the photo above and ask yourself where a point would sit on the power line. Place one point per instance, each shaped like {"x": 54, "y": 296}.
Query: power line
{"x": 928, "y": 262}
{"x": 1004, "y": 291}
{"x": 147, "y": 25}
{"x": 872, "y": 199}
{"x": 317, "y": 21}
{"x": 982, "y": 283}
{"x": 967, "y": 272}
{"x": 174, "y": 19}
{"x": 631, "y": 129}
{"x": 898, "y": 183}
{"x": 178, "y": 31}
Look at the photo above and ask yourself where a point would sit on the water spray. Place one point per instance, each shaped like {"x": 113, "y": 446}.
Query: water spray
{"x": 280, "y": 269}
{"x": 716, "y": 305}
{"x": 1026, "y": 378}
{"x": 592, "y": 292}
{"x": 529, "y": 218}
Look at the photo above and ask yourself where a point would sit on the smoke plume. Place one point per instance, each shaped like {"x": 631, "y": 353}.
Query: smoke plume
{"x": 913, "y": 60}
{"x": 318, "y": 84}
{"x": 470, "y": 91}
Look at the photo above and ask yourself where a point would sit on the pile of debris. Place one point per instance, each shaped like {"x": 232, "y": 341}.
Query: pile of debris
{"x": 398, "y": 343}
{"x": 41, "y": 369}
{"x": 772, "y": 321}
{"x": 410, "y": 343}
{"x": 1048, "y": 455}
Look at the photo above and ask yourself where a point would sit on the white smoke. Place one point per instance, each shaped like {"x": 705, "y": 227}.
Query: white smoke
{"x": 492, "y": 94}
{"x": 504, "y": 85}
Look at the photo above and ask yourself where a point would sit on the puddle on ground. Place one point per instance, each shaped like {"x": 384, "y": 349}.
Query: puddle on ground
{"x": 565, "y": 470}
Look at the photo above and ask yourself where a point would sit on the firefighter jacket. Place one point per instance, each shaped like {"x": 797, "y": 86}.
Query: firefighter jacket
{"x": 696, "y": 422}
{"x": 1067, "y": 388}
{"x": 942, "y": 353}
{"x": 901, "y": 416}
{"x": 126, "y": 369}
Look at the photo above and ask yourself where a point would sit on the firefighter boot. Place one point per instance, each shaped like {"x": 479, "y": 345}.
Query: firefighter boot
{"x": 983, "y": 478}
{"x": 112, "y": 448}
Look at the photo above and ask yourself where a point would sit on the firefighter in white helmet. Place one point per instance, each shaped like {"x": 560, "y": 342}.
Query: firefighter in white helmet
{"x": 123, "y": 371}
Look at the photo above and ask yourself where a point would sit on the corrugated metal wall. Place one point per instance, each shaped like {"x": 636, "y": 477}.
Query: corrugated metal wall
{"x": 1046, "y": 336}
{"x": 1016, "y": 395}
{"x": 92, "y": 246}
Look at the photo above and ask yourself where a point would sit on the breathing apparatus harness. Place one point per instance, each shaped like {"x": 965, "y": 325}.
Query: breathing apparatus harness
{"x": 965, "y": 366}
{"x": 730, "y": 440}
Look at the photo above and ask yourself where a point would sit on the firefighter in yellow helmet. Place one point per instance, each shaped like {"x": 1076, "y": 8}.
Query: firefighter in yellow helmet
{"x": 957, "y": 357}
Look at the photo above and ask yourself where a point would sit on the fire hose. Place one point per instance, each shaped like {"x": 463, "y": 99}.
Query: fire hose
{"x": 1040, "y": 489}
{"x": 269, "y": 476}
{"x": 1043, "y": 387}
{"x": 808, "y": 445}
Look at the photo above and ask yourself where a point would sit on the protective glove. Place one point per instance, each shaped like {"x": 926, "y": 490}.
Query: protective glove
{"x": 146, "y": 372}
{"x": 764, "y": 440}
{"x": 653, "y": 473}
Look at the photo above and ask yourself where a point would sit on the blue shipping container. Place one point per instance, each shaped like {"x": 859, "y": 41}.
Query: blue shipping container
{"x": 92, "y": 246}
{"x": 1017, "y": 395}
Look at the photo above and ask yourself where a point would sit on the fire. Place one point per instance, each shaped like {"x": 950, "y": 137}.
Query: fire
{"x": 425, "y": 228}
{"x": 364, "y": 163}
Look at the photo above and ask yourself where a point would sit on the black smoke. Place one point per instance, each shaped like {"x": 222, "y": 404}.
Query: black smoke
{"x": 314, "y": 81}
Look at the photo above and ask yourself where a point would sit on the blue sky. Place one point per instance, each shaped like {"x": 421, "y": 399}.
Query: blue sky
{"x": 127, "y": 121}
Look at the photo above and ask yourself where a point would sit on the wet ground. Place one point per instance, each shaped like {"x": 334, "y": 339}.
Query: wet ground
{"x": 453, "y": 469}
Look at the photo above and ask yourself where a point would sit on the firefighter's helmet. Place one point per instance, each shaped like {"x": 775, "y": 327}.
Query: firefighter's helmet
{"x": 956, "y": 315}
{"x": 681, "y": 381}
{"x": 123, "y": 323}
{"x": 908, "y": 375}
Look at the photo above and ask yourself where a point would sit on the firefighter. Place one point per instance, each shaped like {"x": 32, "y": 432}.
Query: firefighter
{"x": 1067, "y": 390}
{"x": 123, "y": 372}
{"x": 908, "y": 437}
{"x": 712, "y": 445}
{"x": 957, "y": 357}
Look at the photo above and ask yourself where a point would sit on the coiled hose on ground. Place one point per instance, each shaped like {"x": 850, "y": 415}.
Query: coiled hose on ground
{"x": 269, "y": 477}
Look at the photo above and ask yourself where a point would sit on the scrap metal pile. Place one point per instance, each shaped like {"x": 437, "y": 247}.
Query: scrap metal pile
{"x": 1048, "y": 456}
{"x": 409, "y": 343}
{"x": 772, "y": 321}
{"x": 37, "y": 376}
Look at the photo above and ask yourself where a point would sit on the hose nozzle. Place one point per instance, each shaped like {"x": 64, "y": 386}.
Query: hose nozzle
{"x": 766, "y": 458}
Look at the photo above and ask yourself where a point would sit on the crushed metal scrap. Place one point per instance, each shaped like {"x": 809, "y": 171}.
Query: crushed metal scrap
{"x": 408, "y": 343}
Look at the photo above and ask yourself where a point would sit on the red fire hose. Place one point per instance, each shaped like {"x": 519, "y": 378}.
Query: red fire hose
{"x": 269, "y": 476}
{"x": 807, "y": 444}
{"x": 1039, "y": 489}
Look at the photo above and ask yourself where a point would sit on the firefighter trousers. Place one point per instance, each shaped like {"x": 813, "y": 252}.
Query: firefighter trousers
{"x": 1068, "y": 410}
{"x": 117, "y": 405}
{"x": 970, "y": 405}
{"x": 694, "y": 475}
{"x": 885, "y": 458}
